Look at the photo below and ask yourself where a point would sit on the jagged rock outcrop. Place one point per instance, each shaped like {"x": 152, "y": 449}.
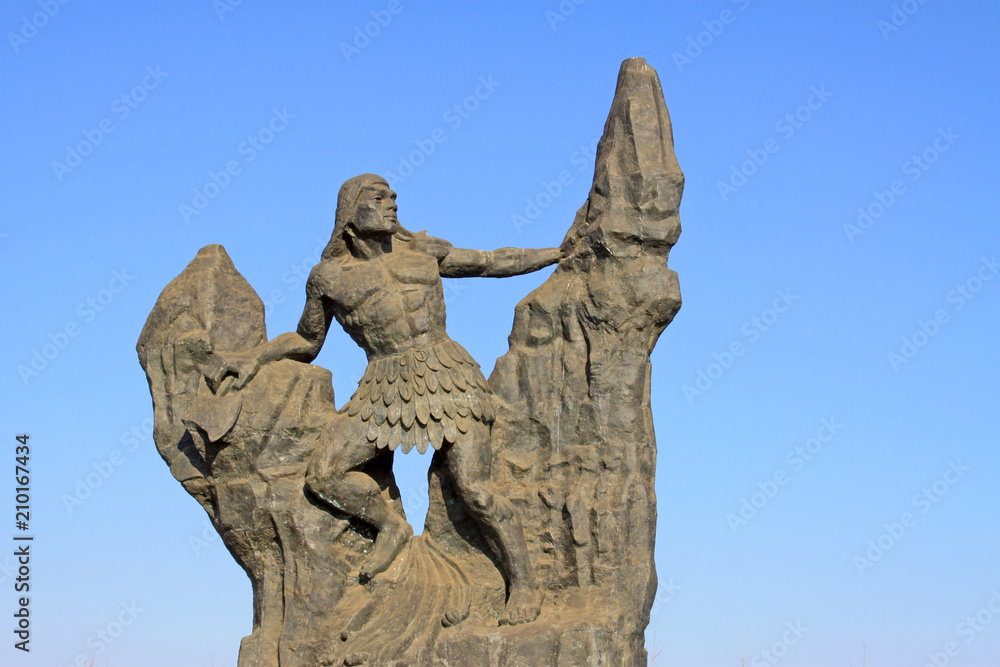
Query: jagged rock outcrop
{"x": 574, "y": 430}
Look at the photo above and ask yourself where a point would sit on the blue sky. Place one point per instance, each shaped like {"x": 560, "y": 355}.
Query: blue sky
{"x": 840, "y": 236}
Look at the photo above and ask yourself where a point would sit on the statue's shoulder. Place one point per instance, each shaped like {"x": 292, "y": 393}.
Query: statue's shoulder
{"x": 430, "y": 245}
{"x": 323, "y": 276}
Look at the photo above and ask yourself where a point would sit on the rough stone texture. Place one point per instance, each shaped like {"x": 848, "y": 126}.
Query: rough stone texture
{"x": 575, "y": 430}
{"x": 573, "y": 448}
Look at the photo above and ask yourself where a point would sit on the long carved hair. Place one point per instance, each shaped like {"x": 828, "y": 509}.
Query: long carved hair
{"x": 343, "y": 238}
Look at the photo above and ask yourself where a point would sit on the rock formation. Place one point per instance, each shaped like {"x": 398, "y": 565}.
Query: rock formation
{"x": 572, "y": 445}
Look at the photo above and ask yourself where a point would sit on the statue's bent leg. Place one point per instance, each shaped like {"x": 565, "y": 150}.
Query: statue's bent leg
{"x": 468, "y": 464}
{"x": 333, "y": 476}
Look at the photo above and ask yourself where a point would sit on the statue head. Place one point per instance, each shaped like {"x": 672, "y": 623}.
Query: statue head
{"x": 366, "y": 207}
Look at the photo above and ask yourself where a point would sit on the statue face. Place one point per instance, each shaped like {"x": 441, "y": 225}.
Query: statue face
{"x": 376, "y": 211}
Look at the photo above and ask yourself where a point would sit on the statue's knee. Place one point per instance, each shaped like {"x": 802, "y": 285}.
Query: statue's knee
{"x": 319, "y": 471}
{"x": 314, "y": 469}
{"x": 314, "y": 481}
{"x": 481, "y": 500}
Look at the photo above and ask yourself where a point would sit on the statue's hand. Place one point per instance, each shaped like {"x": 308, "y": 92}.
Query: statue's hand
{"x": 242, "y": 365}
{"x": 566, "y": 248}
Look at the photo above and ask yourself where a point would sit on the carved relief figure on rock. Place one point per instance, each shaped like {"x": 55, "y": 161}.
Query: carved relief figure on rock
{"x": 382, "y": 283}
{"x": 541, "y": 521}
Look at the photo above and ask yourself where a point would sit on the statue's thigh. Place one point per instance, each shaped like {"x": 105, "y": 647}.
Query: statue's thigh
{"x": 469, "y": 460}
{"x": 343, "y": 447}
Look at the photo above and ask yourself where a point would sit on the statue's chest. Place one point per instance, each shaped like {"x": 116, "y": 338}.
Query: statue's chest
{"x": 411, "y": 268}
{"x": 363, "y": 285}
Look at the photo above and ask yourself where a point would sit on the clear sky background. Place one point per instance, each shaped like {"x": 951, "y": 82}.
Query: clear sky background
{"x": 805, "y": 113}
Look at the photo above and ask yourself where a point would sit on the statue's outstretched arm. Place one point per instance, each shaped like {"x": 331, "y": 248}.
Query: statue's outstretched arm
{"x": 466, "y": 263}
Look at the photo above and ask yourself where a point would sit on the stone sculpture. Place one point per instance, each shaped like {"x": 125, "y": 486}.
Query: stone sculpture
{"x": 382, "y": 283}
{"x": 541, "y": 485}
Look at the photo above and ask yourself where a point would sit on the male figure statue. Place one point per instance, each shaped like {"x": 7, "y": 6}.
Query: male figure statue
{"x": 382, "y": 283}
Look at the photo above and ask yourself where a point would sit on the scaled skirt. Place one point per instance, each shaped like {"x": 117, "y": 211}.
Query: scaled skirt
{"x": 424, "y": 395}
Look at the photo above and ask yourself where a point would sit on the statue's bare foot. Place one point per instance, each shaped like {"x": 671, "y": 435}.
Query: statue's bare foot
{"x": 523, "y": 606}
{"x": 454, "y": 616}
{"x": 388, "y": 544}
